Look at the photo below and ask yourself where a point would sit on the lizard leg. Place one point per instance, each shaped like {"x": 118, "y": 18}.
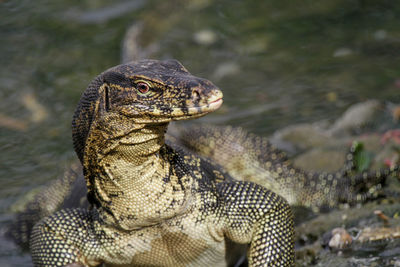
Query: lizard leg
{"x": 261, "y": 218}
{"x": 65, "y": 238}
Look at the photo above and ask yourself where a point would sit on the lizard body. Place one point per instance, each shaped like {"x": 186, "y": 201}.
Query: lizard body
{"x": 248, "y": 157}
{"x": 244, "y": 156}
{"x": 154, "y": 204}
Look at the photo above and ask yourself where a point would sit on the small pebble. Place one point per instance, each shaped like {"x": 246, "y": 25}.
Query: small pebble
{"x": 380, "y": 34}
{"x": 205, "y": 37}
{"x": 342, "y": 52}
{"x": 340, "y": 239}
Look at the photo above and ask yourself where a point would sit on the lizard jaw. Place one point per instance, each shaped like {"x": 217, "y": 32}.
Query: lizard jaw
{"x": 176, "y": 113}
{"x": 202, "y": 110}
{"x": 213, "y": 103}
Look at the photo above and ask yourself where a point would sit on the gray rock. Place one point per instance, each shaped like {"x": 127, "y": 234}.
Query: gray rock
{"x": 355, "y": 117}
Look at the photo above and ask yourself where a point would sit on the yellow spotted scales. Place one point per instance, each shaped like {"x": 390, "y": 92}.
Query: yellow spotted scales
{"x": 154, "y": 205}
{"x": 248, "y": 157}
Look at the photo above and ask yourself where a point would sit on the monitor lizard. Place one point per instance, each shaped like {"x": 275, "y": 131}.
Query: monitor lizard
{"x": 153, "y": 204}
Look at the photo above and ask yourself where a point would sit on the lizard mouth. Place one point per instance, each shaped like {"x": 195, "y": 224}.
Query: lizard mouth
{"x": 216, "y": 104}
{"x": 213, "y": 104}
{"x": 191, "y": 111}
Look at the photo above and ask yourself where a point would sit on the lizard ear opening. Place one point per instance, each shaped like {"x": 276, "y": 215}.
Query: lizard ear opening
{"x": 104, "y": 103}
{"x": 107, "y": 97}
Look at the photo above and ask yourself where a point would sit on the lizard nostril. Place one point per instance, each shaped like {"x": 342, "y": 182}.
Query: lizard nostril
{"x": 195, "y": 96}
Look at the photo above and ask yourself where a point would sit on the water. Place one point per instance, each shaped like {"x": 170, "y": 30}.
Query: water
{"x": 277, "y": 63}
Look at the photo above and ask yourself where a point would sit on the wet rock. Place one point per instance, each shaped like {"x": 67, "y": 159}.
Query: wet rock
{"x": 302, "y": 136}
{"x": 357, "y": 232}
{"x": 356, "y": 117}
{"x": 370, "y": 234}
{"x": 321, "y": 159}
{"x": 340, "y": 239}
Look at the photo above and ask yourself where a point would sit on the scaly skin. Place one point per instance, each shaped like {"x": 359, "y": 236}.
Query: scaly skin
{"x": 244, "y": 156}
{"x": 153, "y": 204}
{"x": 248, "y": 157}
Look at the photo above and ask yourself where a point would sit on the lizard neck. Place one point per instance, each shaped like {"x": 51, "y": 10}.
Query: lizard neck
{"x": 139, "y": 146}
{"x": 136, "y": 181}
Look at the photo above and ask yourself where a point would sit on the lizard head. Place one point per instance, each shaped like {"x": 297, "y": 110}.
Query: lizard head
{"x": 139, "y": 93}
{"x": 153, "y": 91}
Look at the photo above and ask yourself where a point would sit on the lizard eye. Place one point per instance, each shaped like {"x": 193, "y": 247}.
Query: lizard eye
{"x": 143, "y": 88}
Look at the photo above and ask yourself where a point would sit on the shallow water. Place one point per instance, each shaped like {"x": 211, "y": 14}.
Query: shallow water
{"x": 277, "y": 64}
